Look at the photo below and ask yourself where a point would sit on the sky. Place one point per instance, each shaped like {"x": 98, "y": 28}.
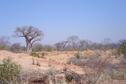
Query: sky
{"x": 58, "y": 19}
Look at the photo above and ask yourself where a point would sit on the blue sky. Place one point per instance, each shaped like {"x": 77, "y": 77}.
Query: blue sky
{"x": 58, "y": 19}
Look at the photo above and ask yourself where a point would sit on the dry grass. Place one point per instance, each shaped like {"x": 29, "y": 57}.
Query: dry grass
{"x": 58, "y": 60}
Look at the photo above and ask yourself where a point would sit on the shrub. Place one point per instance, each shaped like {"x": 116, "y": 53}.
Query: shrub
{"x": 73, "y": 60}
{"x": 51, "y": 72}
{"x": 77, "y": 55}
{"x": 38, "y": 63}
{"x": 9, "y": 72}
{"x": 117, "y": 74}
{"x": 42, "y": 54}
{"x": 37, "y": 47}
{"x": 72, "y": 77}
{"x": 84, "y": 61}
{"x": 16, "y": 47}
{"x": 34, "y": 54}
{"x": 34, "y": 77}
{"x": 122, "y": 48}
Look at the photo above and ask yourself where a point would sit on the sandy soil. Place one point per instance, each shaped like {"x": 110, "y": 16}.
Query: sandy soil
{"x": 58, "y": 61}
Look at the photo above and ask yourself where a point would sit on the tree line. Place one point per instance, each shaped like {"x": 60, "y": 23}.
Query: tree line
{"x": 33, "y": 35}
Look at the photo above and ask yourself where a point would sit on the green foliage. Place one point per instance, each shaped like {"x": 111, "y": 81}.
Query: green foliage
{"x": 34, "y": 54}
{"x": 9, "y": 72}
{"x": 122, "y": 48}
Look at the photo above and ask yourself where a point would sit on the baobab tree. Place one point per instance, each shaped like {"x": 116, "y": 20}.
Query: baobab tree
{"x": 30, "y": 34}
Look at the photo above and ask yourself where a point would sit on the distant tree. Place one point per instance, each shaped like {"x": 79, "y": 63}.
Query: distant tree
{"x": 30, "y": 34}
{"x": 58, "y": 46}
{"x": 4, "y": 43}
{"x": 106, "y": 41}
{"x": 83, "y": 44}
{"x": 108, "y": 44}
{"x": 37, "y": 47}
{"x": 48, "y": 48}
{"x": 73, "y": 41}
{"x": 16, "y": 47}
{"x": 61, "y": 45}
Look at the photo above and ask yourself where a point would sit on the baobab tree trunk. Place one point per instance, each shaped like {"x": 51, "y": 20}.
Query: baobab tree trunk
{"x": 28, "y": 47}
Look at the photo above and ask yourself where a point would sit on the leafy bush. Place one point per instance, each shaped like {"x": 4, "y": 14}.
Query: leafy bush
{"x": 122, "y": 48}
{"x": 9, "y": 72}
{"x": 34, "y": 54}
{"x": 38, "y": 55}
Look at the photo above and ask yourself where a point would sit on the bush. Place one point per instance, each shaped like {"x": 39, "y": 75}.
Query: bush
{"x": 9, "y": 72}
{"x": 42, "y": 54}
{"x": 38, "y": 55}
{"x": 72, "y": 77}
{"x": 77, "y": 55}
{"x": 122, "y": 48}
{"x": 77, "y": 61}
{"x": 34, "y": 54}
{"x": 16, "y": 47}
{"x": 37, "y": 47}
{"x": 84, "y": 61}
{"x": 34, "y": 77}
{"x": 117, "y": 74}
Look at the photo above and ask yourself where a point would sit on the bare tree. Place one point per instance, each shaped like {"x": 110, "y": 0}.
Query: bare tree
{"x": 98, "y": 66}
{"x": 30, "y": 34}
{"x": 61, "y": 45}
{"x": 83, "y": 44}
{"x": 73, "y": 41}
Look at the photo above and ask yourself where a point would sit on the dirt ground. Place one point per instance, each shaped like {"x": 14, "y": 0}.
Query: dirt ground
{"x": 57, "y": 60}
{"x": 53, "y": 59}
